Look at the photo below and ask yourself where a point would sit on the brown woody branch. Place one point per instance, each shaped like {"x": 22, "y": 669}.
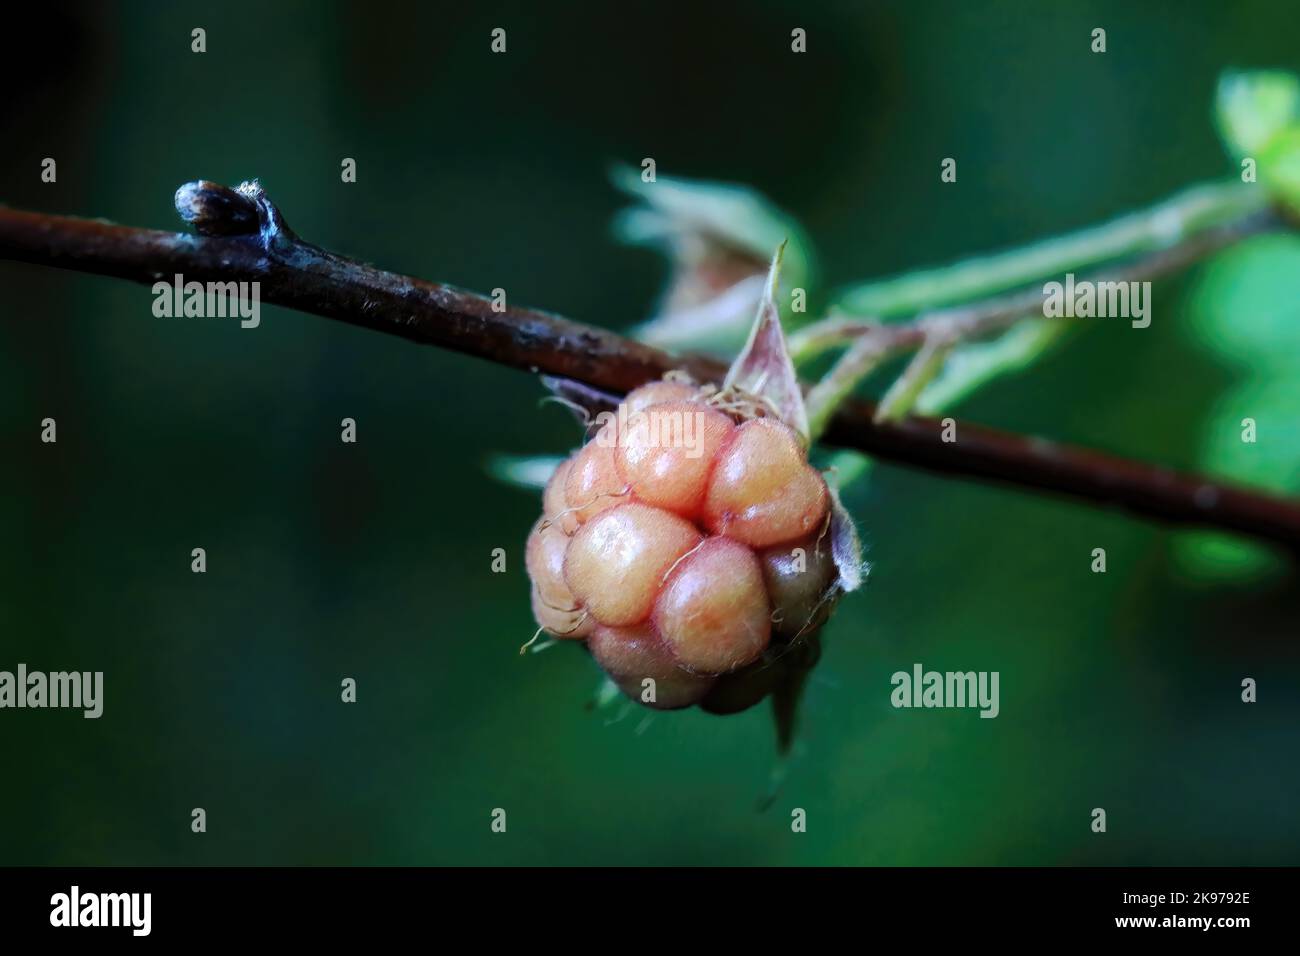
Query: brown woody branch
{"x": 300, "y": 276}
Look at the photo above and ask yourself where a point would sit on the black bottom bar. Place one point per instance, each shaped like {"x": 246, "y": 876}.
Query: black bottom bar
{"x": 580, "y": 906}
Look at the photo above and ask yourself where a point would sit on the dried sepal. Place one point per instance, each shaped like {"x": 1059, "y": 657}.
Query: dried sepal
{"x": 764, "y": 368}
{"x": 846, "y": 546}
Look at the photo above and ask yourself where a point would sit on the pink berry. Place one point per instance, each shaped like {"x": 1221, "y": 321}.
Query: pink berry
{"x": 633, "y": 655}
{"x": 592, "y": 484}
{"x": 553, "y": 602}
{"x": 763, "y": 491}
{"x": 667, "y": 452}
{"x": 639, "y": 399}
{"x": 800, "y": 578}
{"x": 714, "y": 614}
{"x": 555, "y": 506}
{"x": 560, "y": 623}
{"x": 733, "y": 693}
{"x": 617, "y": 561}
{"x": 688, "y": 546}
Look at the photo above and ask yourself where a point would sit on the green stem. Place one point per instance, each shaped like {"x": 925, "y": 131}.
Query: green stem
{"x": 845, "y": 467}
{"x": 977, "y": 364}
{"x": 859, "y": 361}
{"x": 938, "y": 331}
{"x": 1156, "y": 227}
{"x": 902, "y": 395}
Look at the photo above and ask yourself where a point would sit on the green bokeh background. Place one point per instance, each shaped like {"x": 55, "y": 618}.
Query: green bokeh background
{"x": 372, "y": 561}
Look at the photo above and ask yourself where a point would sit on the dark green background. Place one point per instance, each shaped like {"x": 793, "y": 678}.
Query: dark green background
{"x": 372, "y": 561}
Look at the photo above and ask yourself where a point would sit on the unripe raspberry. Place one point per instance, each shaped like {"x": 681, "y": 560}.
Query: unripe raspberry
{"x": 714, "y": 614}
{"x": 733, "y": 693}
{"x": 617, "y": 561}
{"x": 763, "y": 491}
{"x": 553, "y": 602}
{"x": 554, "y": 503}
{"x": 800, "y": 578}
{"x": 561, "y": 623}
{"x": 593, "y": 484}
{"x": 667, "y": 454}
{"x": 655, "y": 393}
{"x": 630, "y": 655}
{"x": 689, "y": 542}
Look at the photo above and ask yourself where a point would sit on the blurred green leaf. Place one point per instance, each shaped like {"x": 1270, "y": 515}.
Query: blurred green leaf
{"x": 1246, "y": 303}
{"x": 1259, "y": 117}
{"x": 1280, "y": 167}
{"x": 1272, "y": 460}
{"x": 845, "y": 467}
{"x": 716, "y": 326}
{"x": 719, "y": 238}
{"x": 1247, "y": 310}
{"x": 1255, "y": 107}
{"x": 523, "y": 471}
{"x": 733, "y": 215}
{"x": 1223, "y": 558}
